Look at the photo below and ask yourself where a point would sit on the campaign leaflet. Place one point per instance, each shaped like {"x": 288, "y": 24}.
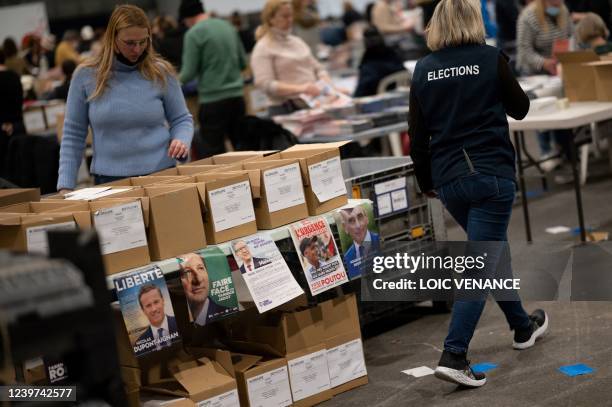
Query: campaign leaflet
{"x": 207, "y": 281}
{"x": 318, "y": 254}
{"x": 359, "y": 238}
{"x": 265, "y": 272}
{"x": 147, "y": 310}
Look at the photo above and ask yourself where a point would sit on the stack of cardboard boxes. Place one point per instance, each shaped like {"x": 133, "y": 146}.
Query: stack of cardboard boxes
{"x": 283, "y": 357}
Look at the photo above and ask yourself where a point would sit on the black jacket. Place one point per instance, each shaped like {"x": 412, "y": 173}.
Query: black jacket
{"x": 458, "y": 104}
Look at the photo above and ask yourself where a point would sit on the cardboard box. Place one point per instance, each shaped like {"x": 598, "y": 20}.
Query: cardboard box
{"x": 16, "y": 195}
{"x": 276, "y": 333}
{"x": 46, "y": 206}
{"x": 321, "y": 174}
{"x": 278, "y": 192}
{"x": 90, "y": 196}
{"x": 129, "y": 258}
{"x": 603, "y": 79}
{"x": 262, "y": 381}
{"x": 204, "y": 380}
{"x": 26, "y": 232}
{"x": 226, "y": 200}
{"x": 343, "y": 343}
{"x": 578, "y": 79}
{"x": 143, "y": 181}
{"x": 175, "y": 221}
{"x": 309, "y": 376}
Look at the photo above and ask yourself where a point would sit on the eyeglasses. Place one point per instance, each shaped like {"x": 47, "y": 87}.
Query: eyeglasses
{"x": 133, "y": 44}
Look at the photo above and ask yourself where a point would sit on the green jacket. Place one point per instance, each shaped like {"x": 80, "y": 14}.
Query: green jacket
{"x": 213, "y": 54}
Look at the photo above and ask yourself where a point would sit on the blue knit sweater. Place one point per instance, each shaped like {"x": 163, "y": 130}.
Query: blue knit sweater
{"x": 133, "y": 123}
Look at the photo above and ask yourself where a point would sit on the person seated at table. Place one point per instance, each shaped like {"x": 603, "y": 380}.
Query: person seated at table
{"x": 61, "y": 91}
{"x": 283, "y": 64}
{"x": 541, "y": 25}
{"x": 592, "y": 33}
{"x": 388, "y": 20}
{"x": 378, "y": 61}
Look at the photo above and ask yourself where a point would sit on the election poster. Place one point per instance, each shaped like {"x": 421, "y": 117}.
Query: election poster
{"x": 359, "y": 237}
{"x": 265, "y": 272}
{"x": 318, "y": 254}
{"x": 207, "y": 281}
{"x": 147, "y": 310}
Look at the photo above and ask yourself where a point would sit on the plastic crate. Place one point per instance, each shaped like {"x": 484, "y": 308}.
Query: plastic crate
{"x": 361, "y": 175}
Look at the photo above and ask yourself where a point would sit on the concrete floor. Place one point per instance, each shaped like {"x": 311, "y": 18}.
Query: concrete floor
{"x": 580, "y": 332}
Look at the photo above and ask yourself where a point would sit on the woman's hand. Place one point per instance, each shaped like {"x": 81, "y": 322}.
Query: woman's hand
{"x": 177, "y": 150}
{"x": 311, "y": 89}
{"x": 550, "y": 66}
{"x": 64, "y": 191}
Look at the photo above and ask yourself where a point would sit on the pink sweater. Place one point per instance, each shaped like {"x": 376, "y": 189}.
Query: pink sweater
{"x": 279, "y": 58}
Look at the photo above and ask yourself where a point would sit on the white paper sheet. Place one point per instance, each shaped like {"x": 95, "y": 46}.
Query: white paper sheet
{"x": 419, "y": 371}
{"x": 270, "y": 389}
{"x": 346, "y": 362}
{"x": 36, "y": 236}
{"x": 284, "y": 187}
{"x": 383, "y": 202}
{"x": 309, "y": 375}
{"x": 34, "y": 120}
{"x": 399, "y": 200}
{"x": 231, "y": 206}
{"x": 87, "y": 194}
{"x": 326, "y": 179}
{"x": 120, "y": 227}
{"x": 270, "y": 282}
{"x": 388, "y": 186}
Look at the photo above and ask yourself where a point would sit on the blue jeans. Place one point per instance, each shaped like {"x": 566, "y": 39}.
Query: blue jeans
{"x": 482, "y": 205}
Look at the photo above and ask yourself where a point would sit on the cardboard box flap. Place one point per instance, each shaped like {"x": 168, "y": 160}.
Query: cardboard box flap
{"x": 265, "y": 165}
{"x": 23, "y": 207}
{"x": 57, "y": 206}
{"x": 577, "y": 56}
{"x": 11, "y": 196}
{"x": 235, "y": 156}
{"x": 81, "y": 218}
{"x": 243, "y": 362}
{"x": 599, "y": 63}
{"x": 10, "y": 219}
{"x": 195, "y": 169}
{"x": 254, "y": 178}
{"x": 202, "y": 378}
{"x": 222, "y": 357}
{"x": 157, "y": 190}
{"x": 204, "y": 161}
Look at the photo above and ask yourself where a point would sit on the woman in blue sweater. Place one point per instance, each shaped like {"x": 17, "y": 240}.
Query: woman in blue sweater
{"x": 462, "y": 153}
{"x": 133, "y": 102}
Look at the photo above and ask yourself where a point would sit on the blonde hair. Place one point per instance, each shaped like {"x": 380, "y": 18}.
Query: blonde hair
{"x": 268, "y": 13}
{"x": 590, "y": 28}
{"x": 540, "y": 11}
{"x": 455, "y": 22}
{"x": 153, "y": 67}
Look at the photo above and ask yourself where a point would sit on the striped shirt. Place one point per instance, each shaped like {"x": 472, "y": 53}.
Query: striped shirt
{"x": 535, "y": 42}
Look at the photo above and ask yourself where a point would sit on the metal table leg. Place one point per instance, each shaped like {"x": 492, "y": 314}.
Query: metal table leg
{"x": 576, "y": 176}
{"x": 518, "y": 141}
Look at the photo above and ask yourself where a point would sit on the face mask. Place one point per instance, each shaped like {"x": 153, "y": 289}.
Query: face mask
{"x": 553, "y": 11}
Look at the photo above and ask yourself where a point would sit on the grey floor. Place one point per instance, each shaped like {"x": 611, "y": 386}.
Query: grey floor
{"x": 580, "y": 332}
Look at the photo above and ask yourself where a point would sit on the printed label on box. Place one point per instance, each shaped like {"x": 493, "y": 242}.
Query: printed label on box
{"x": 383, "y": 203}
{"x": 270, "y": 389}
{"x": 326, "y": 179}
{"x": 284, "y": 187}
{"x": 36, "y": 237}
{"x": 229, "y": 399}
{"x": 120, "y": 228}
{"x": 309, "y": 375}
{"x": 231, "y": 206}
{"x": 346, "y": 362}
{"x": 399, "y": 200}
